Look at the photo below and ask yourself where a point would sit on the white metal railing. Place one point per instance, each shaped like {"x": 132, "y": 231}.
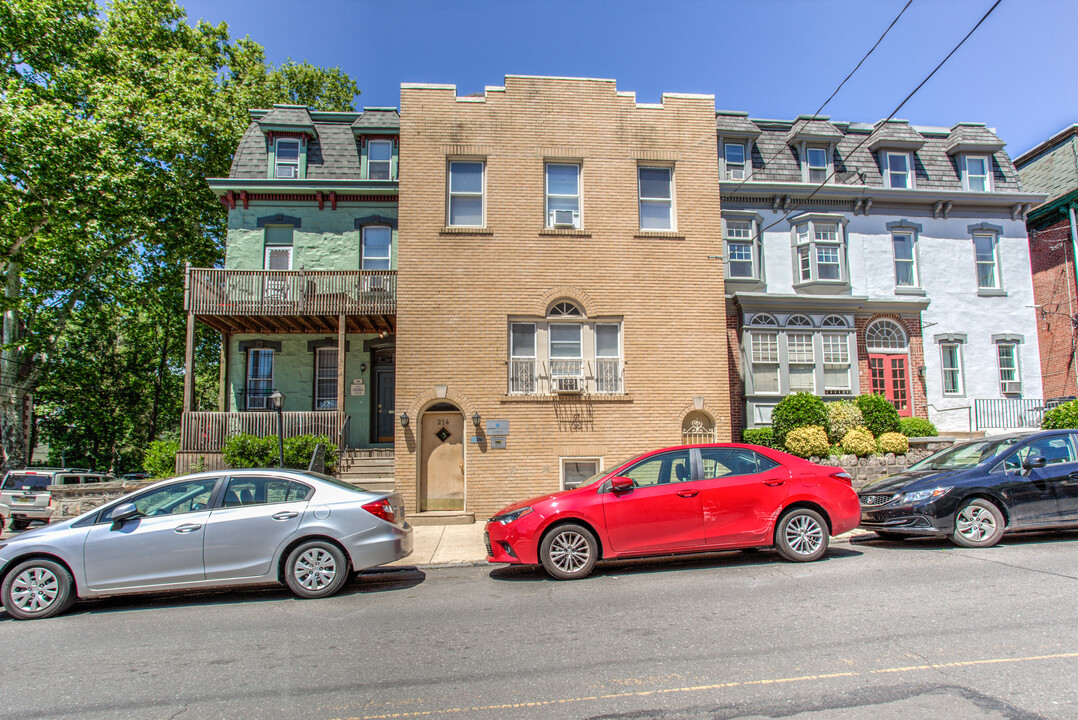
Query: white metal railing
{"x": 1008, "y": 413}
{"x": 565, "y": 375}
{"x": 212, "y": 291}
{"x": 608, "y": 375}
{"x": 523, "y": 379}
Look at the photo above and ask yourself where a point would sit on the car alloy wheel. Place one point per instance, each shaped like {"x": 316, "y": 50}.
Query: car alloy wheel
{"x": 801, "y": 535}
{"x": 37, "y": 589}
{"x": 316, "y": 569}
{"x": 978, "y": 523}
{"x": 569, "y": 552}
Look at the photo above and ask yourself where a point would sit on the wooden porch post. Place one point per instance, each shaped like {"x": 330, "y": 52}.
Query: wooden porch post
{"x": 222, "y": 399}
{"x": 189, "y": 356}
{"x": 342, "y": 334}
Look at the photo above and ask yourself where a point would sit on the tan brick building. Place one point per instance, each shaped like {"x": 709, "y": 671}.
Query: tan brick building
{"x": 560, "y": 304}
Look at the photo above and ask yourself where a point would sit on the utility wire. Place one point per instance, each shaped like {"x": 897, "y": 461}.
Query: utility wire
{"x": 831, "y": 97}
{"x": 894, "y": 112}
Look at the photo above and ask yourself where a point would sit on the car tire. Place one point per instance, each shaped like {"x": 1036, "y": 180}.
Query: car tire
{"x": 569, "y": 552}
{"x": 801, "y": 535}
{"x": 890, "y": 536}
{"x": 20, "y": 524}
{"x": 316, "y": 569}
{"x": 36, "y": 589}
{"x": 978, "y": 523}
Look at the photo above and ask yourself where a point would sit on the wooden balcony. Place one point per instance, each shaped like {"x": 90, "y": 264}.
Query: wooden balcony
{"x": 206, "y": 431}
{"x": 293, "y": 301}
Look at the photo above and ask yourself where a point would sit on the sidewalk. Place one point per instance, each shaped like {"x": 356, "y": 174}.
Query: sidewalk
{"x": 463, "y": 545}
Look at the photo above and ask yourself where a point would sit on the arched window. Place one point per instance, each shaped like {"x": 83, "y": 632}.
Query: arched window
{"x": 565, "y": 308}
{"x": 697, "y": 427}
{"x": 888, "y": 363}
{"x": 834, "y": 321}
{"x": 764, "y": 319}
{"x": 885, "y": 336}
{"x": 798, "y": 321}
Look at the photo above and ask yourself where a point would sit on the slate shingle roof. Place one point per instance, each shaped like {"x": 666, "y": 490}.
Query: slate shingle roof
{"x": 378, "y": 118}
{"x": 735, "y": 123}
{"x": 813, "y": 128}
{"x": 288, "y": 116}
{"x": 895, "y": 134}
{"x": 972, "y": 137}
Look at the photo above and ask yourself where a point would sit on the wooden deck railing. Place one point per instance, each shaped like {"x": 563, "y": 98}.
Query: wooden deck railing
{"x": 206, "y": 431}
{"x": 292, "y": 292}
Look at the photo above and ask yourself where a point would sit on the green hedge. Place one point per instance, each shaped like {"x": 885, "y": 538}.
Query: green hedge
{"x": 879, "y": 414}
{"x": 917, "y": 427}
{"x": 160, "y": 458}
{"x": 759, "y": 436}
{"x": 1061, "y": 417}
{"x": 251, "y": 451}
{"x": 798, "y": 410}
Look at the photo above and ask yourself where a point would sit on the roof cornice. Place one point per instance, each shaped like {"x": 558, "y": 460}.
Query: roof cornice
{"x": 799, "y": 191}
{"x": 779, "y": 301}
{"x": 221, "y": 186}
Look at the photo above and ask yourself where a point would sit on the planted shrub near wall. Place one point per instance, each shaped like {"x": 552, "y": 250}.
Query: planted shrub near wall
{"x": 880, "y": 415}
{"x": 759, "y": 436}
{"x": 1062, "y": 417}
{"x": 160, "y": 458}
{"x": 858, "y": 441}
{"x": 808, "y": 441}
{"x": 844, "y": 416}
{"x": 250, "y": 451}
{"x": 896, "y": 443}
{"x": 917, "y": 427}
{"x": 798, "y": 410}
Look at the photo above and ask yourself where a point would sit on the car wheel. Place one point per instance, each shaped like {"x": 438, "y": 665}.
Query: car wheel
{"x": 37, "y": 588}
{"x": 20, "y": 524}
{"x": 569, "y": 552}
{"x": 977, "y": 524}
{"x": 801, "y": 535}
{"x": 893, "y": 537}
{"x": 316, "y": 569}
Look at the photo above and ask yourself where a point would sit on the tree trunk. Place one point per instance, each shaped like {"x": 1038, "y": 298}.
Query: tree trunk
{"x": 13, "y": 388}
{"x": 12, "y": 428}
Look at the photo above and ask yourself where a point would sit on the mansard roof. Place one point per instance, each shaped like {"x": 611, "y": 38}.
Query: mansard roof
{"x": 813, "y": 128}
{"x": 972, "y": 137}
{"x": 896, "y": 135}
{"x": 295, "y": 118}
{"x": 735, "y": 124}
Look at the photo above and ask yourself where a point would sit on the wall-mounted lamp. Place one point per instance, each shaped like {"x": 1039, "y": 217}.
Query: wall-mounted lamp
{"x": 404, "y": 419}
{"x": 363, "y": 367}
{"x": 922, "y": 371}
{"x": 476, "y": 420}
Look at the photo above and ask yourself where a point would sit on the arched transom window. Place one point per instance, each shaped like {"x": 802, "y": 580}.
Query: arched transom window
{"x": 764, "y": 319}
{"x": 834, "y": 321}
{"x": 799, "y": 321}
{"x": 565, "y": 308}
{"x": 886, "y": 336}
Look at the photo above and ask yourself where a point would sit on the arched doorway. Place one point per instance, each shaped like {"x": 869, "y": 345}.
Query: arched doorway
{"x": 697, "y": 427}
{"x": 441, "y": 447}
{"x": 889, "y": 363}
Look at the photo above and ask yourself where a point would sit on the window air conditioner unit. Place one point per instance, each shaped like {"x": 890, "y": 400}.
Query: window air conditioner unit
{"x": 286, "y": 171}
{"x": 567, "y": 385}
{"x": 375, "y": 283}
{"x": 564, "y": 218}
{"x": 1011, "y": 387}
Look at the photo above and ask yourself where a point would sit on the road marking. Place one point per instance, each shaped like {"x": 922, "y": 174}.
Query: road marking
{"x": 715, "y": 686}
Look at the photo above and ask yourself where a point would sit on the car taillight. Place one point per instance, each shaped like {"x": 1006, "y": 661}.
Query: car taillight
{"x": 381, "y": 508}
{"x": 844, "y": 477}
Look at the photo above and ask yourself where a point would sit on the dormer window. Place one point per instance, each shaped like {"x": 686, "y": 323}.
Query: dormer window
{"x": 976, "y": 173}
{"x": 379, "y": 159}
{"x": 286, "y": 159}
{"x": 817, "y": 164}
{"x": 896, "y": 170}
{"x": 734, "y": 157}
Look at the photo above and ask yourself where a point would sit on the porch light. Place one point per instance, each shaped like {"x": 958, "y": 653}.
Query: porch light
{"x": 404, "y": 419}
{"x": 277, "y": 399}
{"x": 476, "y": 419}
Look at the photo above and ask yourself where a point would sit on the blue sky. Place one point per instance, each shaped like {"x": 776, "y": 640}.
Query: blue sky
{"x": 772, "y": 58}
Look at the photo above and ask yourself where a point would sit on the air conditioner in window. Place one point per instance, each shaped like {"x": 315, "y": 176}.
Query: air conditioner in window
{"x": 1012, "y": 387}
{"x": 286, "y": 171}
{"x": 375, "y": 283}
{"x": 564, "y": 218}
{"x": 567, "y": 385}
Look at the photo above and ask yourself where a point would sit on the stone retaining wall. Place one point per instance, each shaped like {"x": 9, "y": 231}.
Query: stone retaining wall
{"x": 72, "y": 500}
{"x": 867, "y": 469}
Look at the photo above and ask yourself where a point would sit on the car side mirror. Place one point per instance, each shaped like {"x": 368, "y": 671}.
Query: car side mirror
{"x": 1034, "y": 462}
{"x": 621, "y": 484}
{"x": 124, "y": 511}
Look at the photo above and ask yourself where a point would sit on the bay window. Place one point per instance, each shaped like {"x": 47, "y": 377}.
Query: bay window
{"x": 820, "y": 249}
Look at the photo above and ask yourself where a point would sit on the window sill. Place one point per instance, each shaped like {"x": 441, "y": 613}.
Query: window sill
{"x": 991, "y": 292}
{"x": 569, "y": 232}
{"x": 452, "y": 230}
{"x": 658, "y": 234}
{"x": 556, "y": 397}
{"x": 909, "y": 290}
{"x": 822, "y": 287}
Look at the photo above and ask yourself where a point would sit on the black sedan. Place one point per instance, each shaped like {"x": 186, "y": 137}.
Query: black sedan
{"x": 975, "y": 491}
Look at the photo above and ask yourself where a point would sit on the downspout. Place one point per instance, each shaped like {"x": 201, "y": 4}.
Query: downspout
{"x": 1074, "y": 248}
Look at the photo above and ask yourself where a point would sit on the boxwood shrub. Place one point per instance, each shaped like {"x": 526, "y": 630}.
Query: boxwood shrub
{"x": 759, "y": 436}
{"x": 896, "y": 443}
{"x": 879, "y": 414}
{"x": 1061, "y": 417}
{"x": 858, "y": 441}
{"x": 798, "y": 410}
{"x": 917, "y": 427}
{"x": 808, "y": 441}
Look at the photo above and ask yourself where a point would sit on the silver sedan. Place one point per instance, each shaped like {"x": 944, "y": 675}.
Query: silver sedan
{"x": 236, "y": 527}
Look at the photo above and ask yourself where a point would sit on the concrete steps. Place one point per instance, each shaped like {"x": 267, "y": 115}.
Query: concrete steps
{"x": 370, "y": 473}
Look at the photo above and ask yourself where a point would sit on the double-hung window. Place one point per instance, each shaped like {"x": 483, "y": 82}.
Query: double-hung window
{"x": 905, "y": 260}
{"x": 987, "y": 260}
{"x": 898, "y": 170}
{"x": 836, "y": 363}
{"x": 259, "y": 378}
{"x": 286, "y": 158}
{"x": 828, "y": 253}
{"x": 817, "y": 164}
{"x": 951, "y": 363}
{"x": 802, "y": 362}
{"x": 607, "y": 358}
{"x": 976, "y": 175}
{"x": 377, "y": 244}
{"x": 764, "y": 350}
{"x": 562, "y": 195}
{"x": 466, "y": 180}
{"x": 522, "y": 374}
{"x": 1010, "y": 380}
{"x": 739, "y": 248}
{"x": 379, "y": 159}
{"x": 566, "y": 350}
{"x": 325, "y": 380}
{"x": 734, "y": 158}
{"x": 819, "y": 249}
{"x": 656, "y": 187}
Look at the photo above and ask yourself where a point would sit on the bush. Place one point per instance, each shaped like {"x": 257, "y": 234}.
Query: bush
{"x": 797, "y": 410}
{"x": 844, "y": 416}
{"x": 1061, "y": 417}
{"x": 896, "y": 443}
{"x": 917, "y": 427}
{"x": 160, "y": 458}
{"x": 759, "y": 436}
{"x": 251, "y": 451}
{"x": 808, "y": 441}
{"x": 858, "y": 441}
{"x": 879, "y": 414}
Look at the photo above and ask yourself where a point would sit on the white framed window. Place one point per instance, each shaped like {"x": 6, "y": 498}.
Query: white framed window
{"x": 816, "y": 159}
{"x": 574, "y": 471}
{"x": 836, "y": 362}
{"x": 607, "y": 358}
{"x": 905, "y": 260}
{"x": 985, "y": 249}
{"x": 379, "y": 159}
{"x": 286, "y": 158}
{"x": 897, "y": 170}
{"x": 565, "y": 341}
{"x": 1010, "y": 378}
{"x": 801, "y": 356}
{"x": 951, "y": 364}
{"x": 562, "y": 195}
{"x": 976, "y": 173}
{"x": 466, "y": 183}
{"x": 522, "y": 358}
{"x": 764, "y": 356}
{"x": 734, "y": 159}
{"x": 259, "y": 378}
{"x": 325, "y": 379}
{"x": 739, "y": 248}
{"x": 377, "y": 247}
{"x": 557, "y": 356}
{"x": 820, "y": 251}
{"x": 656, "y": 189}
{"x": 886, "y": 336}
{"x": 828, "y": 264}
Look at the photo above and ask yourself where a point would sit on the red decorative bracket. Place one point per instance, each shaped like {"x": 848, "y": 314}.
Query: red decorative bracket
{"x": 321, "y": 200}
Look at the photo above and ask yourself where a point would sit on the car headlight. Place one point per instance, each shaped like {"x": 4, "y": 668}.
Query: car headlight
{"x": 919, "y": 495}
{"x": 513, "y": 516}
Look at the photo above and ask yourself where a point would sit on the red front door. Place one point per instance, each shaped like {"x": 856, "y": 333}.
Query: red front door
{"x": 891, "y": 378}
{"x": 662, "y": 511}
{"x": 742, "y": 493}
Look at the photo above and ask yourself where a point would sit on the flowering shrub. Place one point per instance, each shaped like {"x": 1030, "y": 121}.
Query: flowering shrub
{"x": 858, "y": 441}
{"x": 896, "y": 443}
{"x": 808, "y": 441}
{"x": 844, "y": 416}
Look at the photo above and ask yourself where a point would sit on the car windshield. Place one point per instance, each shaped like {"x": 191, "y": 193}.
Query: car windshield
{"x": 26, "y": 482}
{"x": 966, "y": 455}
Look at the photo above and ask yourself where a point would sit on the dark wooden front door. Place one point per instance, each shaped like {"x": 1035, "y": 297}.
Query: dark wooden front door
{"x": 384, "y": 381}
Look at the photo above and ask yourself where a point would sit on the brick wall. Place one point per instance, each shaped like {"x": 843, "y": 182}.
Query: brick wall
{"x": 912, "y": 326}
{"x": 733, "y": 359}
{"x": 1051, "y": 257}
{"x": 457, "y": 290}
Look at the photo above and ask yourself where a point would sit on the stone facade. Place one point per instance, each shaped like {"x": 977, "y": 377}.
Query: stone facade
{"x": 461, "y": 288}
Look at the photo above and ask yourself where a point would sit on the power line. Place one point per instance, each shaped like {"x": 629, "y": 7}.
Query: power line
{"x": 831, "y": 97}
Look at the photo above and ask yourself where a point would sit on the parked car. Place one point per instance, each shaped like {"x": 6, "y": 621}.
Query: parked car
{"x": 240, "y": 527}
{"x": 5, "y": 513}
{"x": 27, "y": 491}
{"x": 688, "y": 499}
{"x": 133, "y": 476}
{"x": 975, "y": 491}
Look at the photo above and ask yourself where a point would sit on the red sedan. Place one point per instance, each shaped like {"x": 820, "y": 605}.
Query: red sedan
{"x": 699, "y": 498}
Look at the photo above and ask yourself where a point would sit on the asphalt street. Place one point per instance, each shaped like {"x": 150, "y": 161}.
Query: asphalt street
{"x": 876, "y": 630}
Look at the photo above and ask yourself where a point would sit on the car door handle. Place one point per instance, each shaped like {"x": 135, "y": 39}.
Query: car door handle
{"x": 286, "y": 515}
{"x": 687, "y": 493}
{"x": 774, "y": 483}
{"x": 189, "y": 527}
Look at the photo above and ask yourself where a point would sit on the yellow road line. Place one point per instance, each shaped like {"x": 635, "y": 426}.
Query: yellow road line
{"x": 715, "y": 686}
